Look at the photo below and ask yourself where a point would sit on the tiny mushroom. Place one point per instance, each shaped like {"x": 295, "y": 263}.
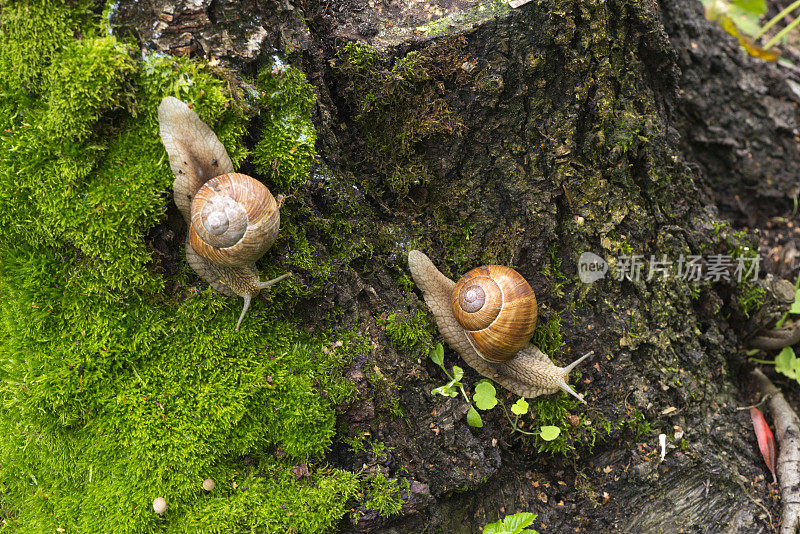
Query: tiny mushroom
{"x": 208, "y": 484}
{"x": 160, "y": 505}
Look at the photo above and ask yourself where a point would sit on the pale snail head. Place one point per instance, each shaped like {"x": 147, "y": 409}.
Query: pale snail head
{"x": 497, "y": 308}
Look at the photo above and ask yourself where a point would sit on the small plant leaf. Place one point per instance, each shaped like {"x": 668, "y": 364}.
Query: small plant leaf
{"x": 495, "y": 528}
{"x": 446, "y": 391}
{"x": 437, "y": 355}
{"x": 754, "y": 7}
{"x": 458, "y": 372}
{"x": 515, "y": 523}
{"x": 549, "y": 433}
{"x": 484, "y": 395}
{"x": 520, "y": 407}
{"x": 474, "y": 418}
{"x": 766, "y": 441}
{"x": 785, "y": 362}
{"x": 512, "y": 524}
{"x": 796, "y": 304}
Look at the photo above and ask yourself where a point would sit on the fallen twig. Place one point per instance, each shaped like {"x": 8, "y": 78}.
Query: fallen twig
{"x": 787, "y": 431}
{"x": 764, "y": 398}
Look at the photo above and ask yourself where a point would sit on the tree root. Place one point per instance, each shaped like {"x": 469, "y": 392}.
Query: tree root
{"x": 785, "y": 336}
{"x": 787, "y": 433}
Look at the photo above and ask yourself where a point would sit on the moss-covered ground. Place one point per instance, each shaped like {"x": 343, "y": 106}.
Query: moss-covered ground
{"x": 119, "y": 381}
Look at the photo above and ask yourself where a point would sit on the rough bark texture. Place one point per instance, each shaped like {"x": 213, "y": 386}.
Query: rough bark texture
{"x": 525, "y": 137}
{"x": 737, "y": 116}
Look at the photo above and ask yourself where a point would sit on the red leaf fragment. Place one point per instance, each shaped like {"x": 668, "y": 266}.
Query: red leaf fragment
{"x": 766, "y": 441}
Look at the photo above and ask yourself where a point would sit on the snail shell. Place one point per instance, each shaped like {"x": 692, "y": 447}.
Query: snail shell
{"x": 234, "y": 220}
{"x": 497, "y": 308}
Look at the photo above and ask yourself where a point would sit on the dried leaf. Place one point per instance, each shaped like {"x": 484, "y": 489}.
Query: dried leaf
{"x": 756, "y": 51}
{"x": 766, "y": 441}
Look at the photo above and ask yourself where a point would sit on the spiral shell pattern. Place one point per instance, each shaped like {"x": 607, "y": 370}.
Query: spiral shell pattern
{"x": 497, "y": 308}
{"x": 234, "y": 220}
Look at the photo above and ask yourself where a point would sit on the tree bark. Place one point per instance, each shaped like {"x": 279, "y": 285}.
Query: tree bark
{"x": 525, "y": 137}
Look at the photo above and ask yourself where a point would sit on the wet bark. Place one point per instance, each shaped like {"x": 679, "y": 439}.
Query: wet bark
{"x": 560, "y": 127}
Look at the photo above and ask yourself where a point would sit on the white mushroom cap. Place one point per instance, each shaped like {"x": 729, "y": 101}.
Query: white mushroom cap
{"x": 208, "y": 484}
{"x": 159, "y": 505}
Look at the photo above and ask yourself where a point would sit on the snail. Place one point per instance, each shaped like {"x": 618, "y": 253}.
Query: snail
{"x": 488, "y": 317}
{"x": 233, "y": 219}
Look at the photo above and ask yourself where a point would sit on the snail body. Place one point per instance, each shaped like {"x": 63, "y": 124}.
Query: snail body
{"x": 488, "y": 317}
{"x": 233, "y": 219}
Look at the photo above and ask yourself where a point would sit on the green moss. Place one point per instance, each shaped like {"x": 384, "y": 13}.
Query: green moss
{"x": 386, "y": 394}
{"x": 411, "y": 334}
{"x": 33, "y": 33}
{"x": 738, "y": 248}
{"x": 112, "y": 390}
{"x": 750, "y": 297}
{"x": 317, "y": 247}
{"x": 83, "y": 82}
{"x": 554, "y": 410}
{"x": 397, "y": 104}
{"x": 548, "y": 335}
{"x": 174, "y": 393}
{"x": 638, "y": 424}
{"x": 383, "y": 495}
{"x": 286, "y": 149}
{"x": 554, "y": 273}
{"x": 459, "y": 244}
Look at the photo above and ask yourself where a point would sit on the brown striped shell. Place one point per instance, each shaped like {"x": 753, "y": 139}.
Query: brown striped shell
{"x": 497, "y": 308}
{"x": 234, "y": 220}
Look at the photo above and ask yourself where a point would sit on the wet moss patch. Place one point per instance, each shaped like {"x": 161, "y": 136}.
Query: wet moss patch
{"x": 397, "y": 104}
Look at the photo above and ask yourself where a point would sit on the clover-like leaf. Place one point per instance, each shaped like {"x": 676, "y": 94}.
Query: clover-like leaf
{"x": 437, "y": 355}
{"x": 520, "y": 407}
{"x": 785, "y": 362}
{"x": 485, "y": 395}
{"x": 796, "y": 304}
{"x": 549, "y": 433}
{"x": 474, "y": 418}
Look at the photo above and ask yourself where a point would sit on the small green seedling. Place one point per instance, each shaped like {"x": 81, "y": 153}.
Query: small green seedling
{"x": 786, "y": 363}
{"x": 520, "y": 408}
{"x": 512, "y": 524}
{"x": 485, "y": 398}
{"x": 452, "y": 388}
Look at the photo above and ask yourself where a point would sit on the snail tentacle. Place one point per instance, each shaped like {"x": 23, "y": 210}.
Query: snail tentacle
{"x": 262, "y": 285}
{"x": 244, "y": 310}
